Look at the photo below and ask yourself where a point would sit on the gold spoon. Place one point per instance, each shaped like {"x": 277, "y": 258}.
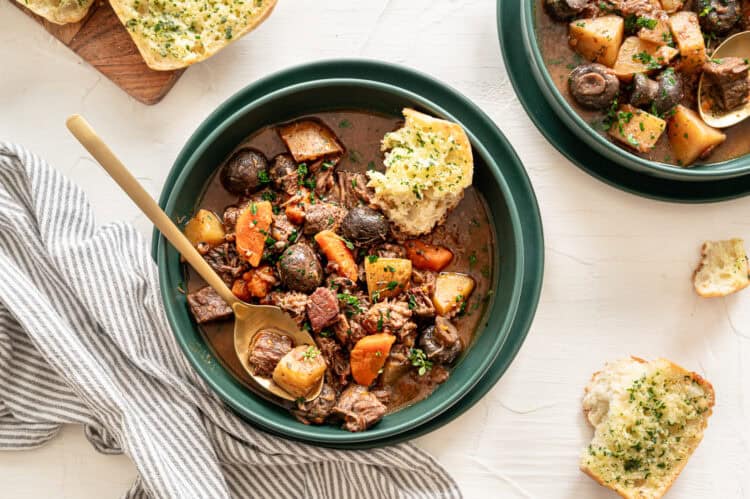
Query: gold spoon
{"x": 737, "y": 45}
{"x": 249, "y": 319}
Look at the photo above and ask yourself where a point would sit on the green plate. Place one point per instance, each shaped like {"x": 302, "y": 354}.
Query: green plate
{"x": 503, "y": 182}
{"x": 531, "y": 96}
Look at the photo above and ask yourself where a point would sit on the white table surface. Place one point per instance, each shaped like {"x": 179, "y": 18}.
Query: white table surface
{"x": 618, "y": 267}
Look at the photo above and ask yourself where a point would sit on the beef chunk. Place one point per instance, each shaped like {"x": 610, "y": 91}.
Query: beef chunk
{"x": 230, "y": 218}
{"x": 729, "y": 83}
{"x": 341, "y": 283}
{"x": 322, "y": 308}
{"x": 351, "y": 189}
{"x": 266, "y": 351}
{"x": 420, "y": 303}
{"x": 321, "y": 216}
{"x": 359, "y": 408}
{"x": 324, "y": 182}
{"x": 207, "y": 306}
{"x": 316, "y": 411}
{"x": 338, "y": 362}
{"x": 291, "y": 302}
{"x": 282, "y": 229}
{"x": 226, "y": 262}
{"x": 390, "y": 250}
{"x": 393, "y": 317}
{"x": 323, "y": 173}
{"x": 348, "y": 330}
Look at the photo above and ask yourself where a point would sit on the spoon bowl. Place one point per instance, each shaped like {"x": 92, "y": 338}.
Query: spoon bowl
{"x": 249, "y": 319}
{"x": 737, "y": 45}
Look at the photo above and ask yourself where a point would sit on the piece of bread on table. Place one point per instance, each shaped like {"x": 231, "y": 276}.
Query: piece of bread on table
{"x": 648, "y": 419}
{"x": 723, "y": 269}
{"x": 428, "y": 163}
{"x": 175, "y": 34}
{"x": 59, "y": 11}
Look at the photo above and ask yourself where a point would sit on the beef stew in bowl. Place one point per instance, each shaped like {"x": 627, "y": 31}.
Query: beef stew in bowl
{"x": 291, "y": 219}
{"x": 631, "y": 69}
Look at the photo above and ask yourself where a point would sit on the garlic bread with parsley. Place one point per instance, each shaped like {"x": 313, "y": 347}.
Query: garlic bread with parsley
{"x": 174, "y": 34}
{"x": 648, "y": 418}
{"x": 428, "y": 164}
{"x": 59, "y": 11}
{"x": 723, "y": 269}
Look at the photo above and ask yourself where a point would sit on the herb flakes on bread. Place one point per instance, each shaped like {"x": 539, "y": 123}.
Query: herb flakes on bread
{"x": 723, "y": 269}
{"x": 59, "y": 11}
{"x": 648, "y": 418}
{"x": 428, "y": 164}
{"x": 173, "y": 34}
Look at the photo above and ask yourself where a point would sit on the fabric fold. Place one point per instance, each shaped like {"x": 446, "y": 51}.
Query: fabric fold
{"x": 84, "y": 340}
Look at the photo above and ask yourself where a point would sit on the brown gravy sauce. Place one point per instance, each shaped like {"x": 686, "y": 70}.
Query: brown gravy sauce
{"x": 467, "y": 232}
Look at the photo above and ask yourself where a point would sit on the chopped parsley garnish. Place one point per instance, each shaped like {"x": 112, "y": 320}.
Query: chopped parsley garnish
{"x": 350, "y": 300}
{"x": 392, "y": 285}
{"x": 372, "y": 258}
{"x": 310, "y": 353}
{"x": 419, "y": 360}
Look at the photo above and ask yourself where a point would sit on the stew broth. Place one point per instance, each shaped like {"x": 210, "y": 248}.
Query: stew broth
{"x": 467, "y": 232}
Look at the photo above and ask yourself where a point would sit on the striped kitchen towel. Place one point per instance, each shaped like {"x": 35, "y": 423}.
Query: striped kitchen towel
{"x": 84, "y": 340}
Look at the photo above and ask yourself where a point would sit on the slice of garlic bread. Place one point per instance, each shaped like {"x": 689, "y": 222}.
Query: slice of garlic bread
{"x": 59, "y": 11}
{"x": 178, "y": 33}
{"x": 723, "y": 269}
{"x": 648, "y": 418}
{"x": 428, "y": 164}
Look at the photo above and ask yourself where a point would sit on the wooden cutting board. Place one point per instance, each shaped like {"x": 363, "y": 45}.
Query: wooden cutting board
{"x": 102, "y": 41}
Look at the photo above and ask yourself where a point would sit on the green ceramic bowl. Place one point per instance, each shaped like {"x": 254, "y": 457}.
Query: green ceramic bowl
{"x": 700, "y": 173}
{"x": 252, "y": 109}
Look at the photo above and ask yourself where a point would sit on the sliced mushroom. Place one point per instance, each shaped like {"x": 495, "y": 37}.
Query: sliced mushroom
{"x": 717, "y": 16}
{"x": 593, "y": 86}
{"x": 670, "y": 92}
{"x": 645, "y": 90}
{"x": 563, "y": 10}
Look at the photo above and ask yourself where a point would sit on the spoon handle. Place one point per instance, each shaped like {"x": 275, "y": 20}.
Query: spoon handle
{"x": 88, "y": 138}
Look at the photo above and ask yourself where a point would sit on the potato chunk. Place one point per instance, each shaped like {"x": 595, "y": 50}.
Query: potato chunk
{"x": 387, "y": 277}
{"x": 452, "y": 290}
{"x": 636, "y": 128}
{"x": 598, "y": 40}
{"x": 686, "y": 32}
{"x": 690, "y": 137}
{"x": 656, "y": 32}
{"x": 671, "y": 6}
{"x": 205, "y": 228}
{"x": 640, "y": 56}
{"x": 299, "y": 371}
{"x": 309, "y": 140}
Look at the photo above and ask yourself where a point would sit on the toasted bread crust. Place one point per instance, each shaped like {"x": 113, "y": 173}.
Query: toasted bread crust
{"x": 630, "y": 493}
{"x": 170, "y": 64}
{"x": 705, "y": 248}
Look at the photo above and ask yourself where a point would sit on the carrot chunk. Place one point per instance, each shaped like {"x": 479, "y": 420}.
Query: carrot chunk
{"x": 368, "y": 357}
{"x": 427, "y": 256}
{"x": 252, "y": 229}
{"x": 336, "y": 251}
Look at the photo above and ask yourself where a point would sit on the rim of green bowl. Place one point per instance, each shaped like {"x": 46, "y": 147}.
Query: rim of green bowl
{"x": 708, "y": 171}
{"x": 229, "y": 393}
